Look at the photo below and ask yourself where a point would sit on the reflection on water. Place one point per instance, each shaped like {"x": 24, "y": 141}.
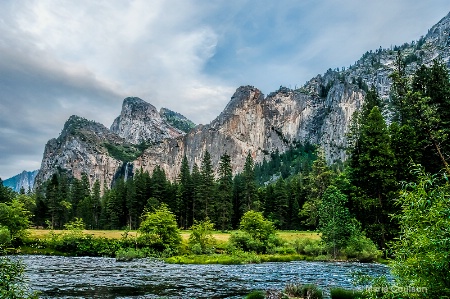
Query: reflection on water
{"x": 91, "y": 277}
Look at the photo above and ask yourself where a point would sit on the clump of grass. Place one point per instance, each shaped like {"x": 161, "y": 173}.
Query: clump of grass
{"x": 128, "y": 254}
{"x": 303, "y": 291}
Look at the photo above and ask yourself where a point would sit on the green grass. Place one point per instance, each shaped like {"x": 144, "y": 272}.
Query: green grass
{"x": 219, "y": 236}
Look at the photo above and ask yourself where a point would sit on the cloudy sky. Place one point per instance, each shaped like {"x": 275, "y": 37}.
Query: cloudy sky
{"x": 59, "y": 58}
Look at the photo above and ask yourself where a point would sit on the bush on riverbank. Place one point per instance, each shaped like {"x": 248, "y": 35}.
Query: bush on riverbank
{"x": 256, "y": 234}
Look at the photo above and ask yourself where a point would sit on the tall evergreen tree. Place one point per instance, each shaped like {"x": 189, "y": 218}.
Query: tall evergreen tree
{"x": 207, "y": 187}
{"x": 224, "y": 206}
{"x": 318, "y": 181}
{"x": 185, "y": 195}
{"x": 250, "y": 188}
{"x": 197, "y": 193}
{"x": 423, "y": 103}
{"x": 132, "y": 205}
{"x": 373, "y": 176}
{"x": 281, "y": 204}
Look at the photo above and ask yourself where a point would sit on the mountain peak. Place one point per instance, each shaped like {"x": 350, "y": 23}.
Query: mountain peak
{"x": 139, "y": 122}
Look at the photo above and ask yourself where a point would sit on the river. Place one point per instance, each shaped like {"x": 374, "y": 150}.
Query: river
{"x": 92, "y": 277}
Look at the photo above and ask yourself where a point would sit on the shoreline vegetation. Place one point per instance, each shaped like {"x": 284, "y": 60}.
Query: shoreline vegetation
{"x": 124, "y": 245}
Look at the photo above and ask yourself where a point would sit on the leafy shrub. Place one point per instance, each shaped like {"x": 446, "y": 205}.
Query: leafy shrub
{"x": 303, "y": 291}
{"x": 15, "y": 217}
{"x": 5, "y": 236}
{"x": 256, "y": 234}
{"x": 12, "y": 280}
{"x": 361, "y": 248}
{"x": 256, "y": 295}
{"x": 339, "y": 293}
{"x": 257, "y": 226}
{"x": 160, "y": 230}
{"x": 314, "y": 248}
{"x": 244, "y": 241}
{"x": 201, "y": 240}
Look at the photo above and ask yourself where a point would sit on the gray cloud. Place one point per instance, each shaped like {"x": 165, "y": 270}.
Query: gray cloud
{"x": 59, "y": 58}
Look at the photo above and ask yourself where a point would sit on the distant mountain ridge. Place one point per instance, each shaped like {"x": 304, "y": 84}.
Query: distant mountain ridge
{"x": 24, "y": 180}
{"x": 320, "y": 113}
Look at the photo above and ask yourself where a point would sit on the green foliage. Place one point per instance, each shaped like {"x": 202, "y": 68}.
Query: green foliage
{"x": 298, "y": 158}
{"x": 423, "y": 102}
{"x": 160, "y": 229}
{"x": 256, "y": 234}
{"x": 318, "y": 181}
{"x": 303, "y": 291}
{"x": 12, "y": 280}
{"x": 256, "y": 295}
{"x": 373, "y": 177}
{"x": 76, "y": 243}
{"x": 340, "y": 293}
{"x": 257, "y": 226}
{"x": 335, "y": 222}
{"x": 125, "y": 152}
{"x": 224, "y": 205}
{"x": 422, "y": 253}
{"x": 5, "y": 236}
{"x": 177, "y": 120}
{"x": 249, "y": 187}
{"x": 128, "y": 254}
{"x": 361, "y": 248}
{"x": 201, "y": 240}
{"x": 15, "y": 218}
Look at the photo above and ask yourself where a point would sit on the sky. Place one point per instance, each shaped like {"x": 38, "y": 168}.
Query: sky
{"x": 60, "y": 58}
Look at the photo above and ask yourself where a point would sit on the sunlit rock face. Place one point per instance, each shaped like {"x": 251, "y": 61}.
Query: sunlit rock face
{"x": 319, "y": 112}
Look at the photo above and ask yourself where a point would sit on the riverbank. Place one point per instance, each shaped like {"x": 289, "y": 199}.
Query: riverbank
{"x": 124, "y": 245}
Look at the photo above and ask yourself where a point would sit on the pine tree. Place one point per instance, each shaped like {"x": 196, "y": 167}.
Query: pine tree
{"x": 196, "y": 196}
{"x": 424, "y": 104}
{"x": 184, "y": 195}
{"x": 373, "y": 176}
{"x": 281, "y": 204}
{"x": 318, "y": 181}
{"x": 224, "y": 205}
{"x": 96, "y": 204}
{"x": 250, "y": 189}
{"x": 132, "y": 205}
{"x": 207, "y": 187}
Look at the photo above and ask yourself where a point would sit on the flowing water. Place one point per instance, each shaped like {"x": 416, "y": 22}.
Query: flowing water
{"x": 91, "y": 277}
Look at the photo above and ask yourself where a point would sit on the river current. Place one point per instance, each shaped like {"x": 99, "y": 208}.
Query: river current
{"x": 93, "y": 277}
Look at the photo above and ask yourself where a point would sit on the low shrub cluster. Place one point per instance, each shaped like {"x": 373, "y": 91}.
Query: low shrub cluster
{"x": 340, "y": 293}
{"x": 256, "y": 234}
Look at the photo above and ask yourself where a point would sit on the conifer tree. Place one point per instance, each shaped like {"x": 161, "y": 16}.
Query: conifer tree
{"x": 225, "y": 193}
{"x": 318, "y": 181}
{"x": 207, "y": 187}
{"x": 250, "y": 189}
{"x": 373, "y": 176}
{"x": 184, "y": 195}
{"x": 196, "y": 196}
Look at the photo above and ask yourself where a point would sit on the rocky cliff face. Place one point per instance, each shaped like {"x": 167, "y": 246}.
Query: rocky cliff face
{"x": 319, "y": 112}
{"x": 23, "y": 180}
{"x": 82, "y": 147}
{"x": 140, "y": 122}
{"x": 257, "y": 124}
